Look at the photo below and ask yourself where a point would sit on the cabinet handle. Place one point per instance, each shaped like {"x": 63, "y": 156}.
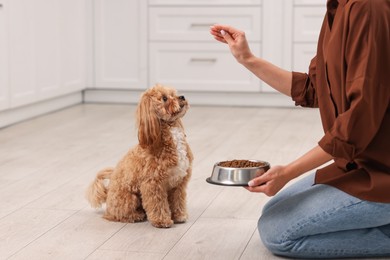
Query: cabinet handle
{"x": 193, "y": 25}
{"x": 210, "y": 60}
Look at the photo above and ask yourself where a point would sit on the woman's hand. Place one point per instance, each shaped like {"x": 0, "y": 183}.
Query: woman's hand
{"x": 235, "y": 39}
{"x": 271, "y": 182}
{"x": 274, "y": 76}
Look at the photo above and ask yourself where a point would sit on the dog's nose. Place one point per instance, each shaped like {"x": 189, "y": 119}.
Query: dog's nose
{"x": 182, "y": 98}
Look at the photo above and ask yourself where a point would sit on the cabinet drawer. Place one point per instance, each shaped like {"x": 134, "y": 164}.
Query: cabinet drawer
{"x": 303, "y": 53}
{"x": 307, "y": 23}
{"x": 200, "y": 67}
{"x": 205, "y": 2}
{"x": 192, "y": 24}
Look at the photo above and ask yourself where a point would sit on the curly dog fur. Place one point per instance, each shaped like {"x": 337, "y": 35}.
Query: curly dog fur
{"x": 150, "y": 180}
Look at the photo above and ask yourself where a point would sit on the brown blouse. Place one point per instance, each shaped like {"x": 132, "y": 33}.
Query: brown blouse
{"x": 349, "y": 80}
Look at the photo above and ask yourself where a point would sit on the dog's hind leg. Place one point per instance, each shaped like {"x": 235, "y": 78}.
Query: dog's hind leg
{"x": 124, "y": 206}
{"x": 155, "y": 203}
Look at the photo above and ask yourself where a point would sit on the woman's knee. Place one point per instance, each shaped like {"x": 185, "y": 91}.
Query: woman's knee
{"x": 273, "y": 238}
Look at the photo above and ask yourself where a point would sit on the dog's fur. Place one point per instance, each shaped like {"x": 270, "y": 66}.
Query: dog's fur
{"x": 150, "y": 181}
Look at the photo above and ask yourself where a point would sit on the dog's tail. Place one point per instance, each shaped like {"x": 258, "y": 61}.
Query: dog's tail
{"x": 97, "y": 191}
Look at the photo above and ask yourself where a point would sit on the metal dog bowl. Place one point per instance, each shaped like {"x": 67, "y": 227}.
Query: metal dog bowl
{"x": 231, "y": 176}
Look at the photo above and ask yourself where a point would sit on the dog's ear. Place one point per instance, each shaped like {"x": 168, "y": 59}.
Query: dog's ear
{"x": 149, "y": 131}
{"x": 180, "y": 123}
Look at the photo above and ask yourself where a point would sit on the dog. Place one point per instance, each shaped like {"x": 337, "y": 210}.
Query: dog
{"x": 150, "y": 181}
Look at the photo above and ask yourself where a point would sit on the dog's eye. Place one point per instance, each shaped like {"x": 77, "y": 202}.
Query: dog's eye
{"x": 164, "y": 98}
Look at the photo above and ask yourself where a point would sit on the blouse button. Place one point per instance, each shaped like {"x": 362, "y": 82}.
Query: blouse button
{"x": 351, "y": 166}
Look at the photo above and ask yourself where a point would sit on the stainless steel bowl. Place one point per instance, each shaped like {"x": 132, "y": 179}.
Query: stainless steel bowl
{"x": 229, "y": 176}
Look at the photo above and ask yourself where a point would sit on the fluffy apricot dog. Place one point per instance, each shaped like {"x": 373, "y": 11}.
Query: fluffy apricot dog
{"x": 151, "y": 179}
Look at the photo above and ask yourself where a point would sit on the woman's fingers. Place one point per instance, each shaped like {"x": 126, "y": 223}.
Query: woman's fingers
{"x": 223, "y": 33}
{"x": 269, "y": 183}
{"x": 216, "y": 32}
{"x": 262, "y": 189}
{"x": 256, "y": 182}
{"x": 260, "y": 180}
{"x": 220, "y": 39}
{"x": 220, "y": 27}
{"x": 228, "y": 38}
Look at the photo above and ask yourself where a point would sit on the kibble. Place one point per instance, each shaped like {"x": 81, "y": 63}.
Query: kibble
{"x": 241, "y": 164}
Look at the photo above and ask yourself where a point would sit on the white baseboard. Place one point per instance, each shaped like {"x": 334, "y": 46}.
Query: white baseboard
{"x": 195, "y": 98}
{"x": 15, "y": 115}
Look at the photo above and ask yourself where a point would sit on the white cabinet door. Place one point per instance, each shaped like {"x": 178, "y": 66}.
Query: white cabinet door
{"x": 308, "y": 18}
{"x": 120, "y": 44}
{"x": 60, "y": 47}
{"x": 307, "y": 23}
{"x": 4, "y": 83}
{"x": 45, "y": 41}
{"x": 22, "y": 52}
{"x": 46, "y": 49}
{"x": 72, "y": 45}
{"x": 303, "y": 54}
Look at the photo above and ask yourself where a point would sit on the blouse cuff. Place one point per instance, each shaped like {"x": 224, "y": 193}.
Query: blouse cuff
{"x": 298, "y": 88}
{"x": 337, "y": 148}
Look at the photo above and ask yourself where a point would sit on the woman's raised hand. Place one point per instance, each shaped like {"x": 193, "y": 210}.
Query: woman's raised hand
{"x": 235, "y": 39}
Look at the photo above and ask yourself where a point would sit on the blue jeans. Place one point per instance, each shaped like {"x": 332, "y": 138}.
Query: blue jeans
{"x": 320, "y": 221}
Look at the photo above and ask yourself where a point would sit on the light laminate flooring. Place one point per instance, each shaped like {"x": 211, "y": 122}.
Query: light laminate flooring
{"x": 46, "y": 164}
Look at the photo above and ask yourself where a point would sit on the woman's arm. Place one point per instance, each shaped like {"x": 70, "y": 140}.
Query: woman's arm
{"x": 278, "y": 176}
{"x": 274, "y": 76}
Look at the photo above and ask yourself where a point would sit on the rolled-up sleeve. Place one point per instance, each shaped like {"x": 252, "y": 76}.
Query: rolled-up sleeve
{"x": 303, "y": 87}
{"x": 354, "y": 129}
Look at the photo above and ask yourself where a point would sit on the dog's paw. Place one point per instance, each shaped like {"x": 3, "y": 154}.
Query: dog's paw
{"x": 137, "y": 217}
{"x": 162, "y": 224}
{"x": 180, "y": 218}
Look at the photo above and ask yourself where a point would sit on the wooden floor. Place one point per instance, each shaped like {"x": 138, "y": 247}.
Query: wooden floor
{"x": 46, "y": 164}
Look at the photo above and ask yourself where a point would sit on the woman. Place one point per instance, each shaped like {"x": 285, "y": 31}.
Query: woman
{"x": 343, "y": 209}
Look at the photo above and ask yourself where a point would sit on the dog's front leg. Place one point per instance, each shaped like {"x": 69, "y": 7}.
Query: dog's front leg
{"x": 178, "y": 203}
{"x": 155, "y": 203}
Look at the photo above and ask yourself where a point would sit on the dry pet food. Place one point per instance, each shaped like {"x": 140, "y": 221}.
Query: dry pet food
{"x": 241, "y": 164}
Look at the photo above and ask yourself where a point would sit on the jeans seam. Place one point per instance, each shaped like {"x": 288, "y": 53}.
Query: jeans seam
{"x": 286, "y": 237}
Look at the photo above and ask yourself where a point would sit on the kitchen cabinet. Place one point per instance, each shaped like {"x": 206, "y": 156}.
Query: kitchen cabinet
{"x": 140, "y": 43}
{"x": 290, "y": 33}
{"x": 184, "y": 55}
{"x": 308, "y": 19}
{"x": 43, "y": 42}
{"x": 120, "y": 53}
